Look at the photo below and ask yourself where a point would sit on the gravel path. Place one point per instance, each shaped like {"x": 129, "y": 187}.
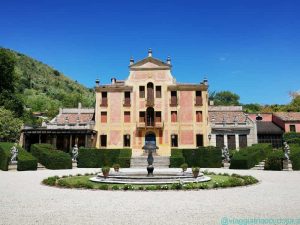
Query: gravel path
{"x": 23, "y": 200}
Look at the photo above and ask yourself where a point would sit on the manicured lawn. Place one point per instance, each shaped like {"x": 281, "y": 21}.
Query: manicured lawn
{"x": 217, "y": 181}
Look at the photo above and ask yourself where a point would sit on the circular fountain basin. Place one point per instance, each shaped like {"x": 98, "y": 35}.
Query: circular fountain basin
{"x": 140, "y": 177}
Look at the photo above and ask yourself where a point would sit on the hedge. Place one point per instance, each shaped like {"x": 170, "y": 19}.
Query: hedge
{"x": 207, "y": 157}
{"x": 4, "y": 155}
{"x": 50, "y": 158}
{"x": 25, "y": 160}
{"x": 248, "y": 157}
{"x": 295, "y": 156}
{"x": 176, "y": 159}
{"x": 274, "y": 160}
{"x": 125, "y": 157}
{"x": 95, "y": 158}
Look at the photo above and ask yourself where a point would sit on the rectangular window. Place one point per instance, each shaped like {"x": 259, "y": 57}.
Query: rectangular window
{"x": 103, "y": 99}
{"x": 158, "y": 91}
{"x": 199, "y": 140}
{"x": 103, "y": 117}
{"x": 126, "y": 117}
{"x": 126, "y": 140}
{"x": 198, "y": 101}
{"x": 158, "y": 117}
{"x": 173, "y": 116}
{"x": 292, "y": 128}
{"x": 243, "y": 141}
{"x": 103, "y": 140}
{"x": 174, "y": 140}
{"x": 199, "y": 116}
{"x": 142, "y": 117}
{"x": 142, "y": 91}
{"x": 126, "y": 98}
{"x": 173, "y": 98}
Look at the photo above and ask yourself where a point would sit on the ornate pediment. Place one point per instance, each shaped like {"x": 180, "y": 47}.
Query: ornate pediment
{"x": 150, "y": 63}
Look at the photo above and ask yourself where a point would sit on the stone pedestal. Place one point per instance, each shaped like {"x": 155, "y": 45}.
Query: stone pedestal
{"x": 74, "y": 164}
{"x": 13, "y": 165}
{"x": 287, "y": 165}
{"x": 226, "y": 164}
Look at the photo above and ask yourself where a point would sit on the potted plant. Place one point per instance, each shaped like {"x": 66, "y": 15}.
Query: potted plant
{"x": 116, "y": 167}
{"x": 184, "y": 167}
{"x": 105, "y": 171}
{"x": 195, "y": 171}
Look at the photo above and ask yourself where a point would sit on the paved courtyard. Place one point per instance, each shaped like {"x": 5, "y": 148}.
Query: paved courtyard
{"x": 23, "y": 200}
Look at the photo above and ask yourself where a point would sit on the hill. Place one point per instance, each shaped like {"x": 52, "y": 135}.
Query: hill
{"x": 42, "y": 88}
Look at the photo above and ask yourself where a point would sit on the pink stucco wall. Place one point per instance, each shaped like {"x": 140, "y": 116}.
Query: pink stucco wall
{"x": 186, "y": 137}
{"x": 266, "y": 116}
{"x": 186, "y": 107}
{"x": 297, "y": 125}
{"x": 278, "y": 121}
{"x": 115, "y": 137}
{"x": 115, "y": 106}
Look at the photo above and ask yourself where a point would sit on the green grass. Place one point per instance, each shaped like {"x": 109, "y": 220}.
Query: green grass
{"x": 217, "y": 181}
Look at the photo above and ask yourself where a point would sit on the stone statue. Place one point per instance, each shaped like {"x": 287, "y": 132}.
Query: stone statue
{"x": 225, "y": 153}
{"x": 14, "y": 153}
{"x": 75, "y": 153}
{"x": 286, "y": 149}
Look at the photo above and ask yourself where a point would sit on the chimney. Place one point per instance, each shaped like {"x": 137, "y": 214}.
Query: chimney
{"x": 113, "y": 80}
{"x": 149, "y": 52}
{"x": 131, "y": 60}
{"x": 169, "y": 60}
{"x": 97, "y": 82}
{"x": 205, "y": 81}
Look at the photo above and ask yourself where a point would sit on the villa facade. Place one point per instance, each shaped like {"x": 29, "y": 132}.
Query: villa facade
{"x": 150, "y": 106}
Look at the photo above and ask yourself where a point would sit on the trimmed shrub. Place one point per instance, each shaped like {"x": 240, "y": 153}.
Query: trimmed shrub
{"x": 248, "y": 157}
{"x": 290, "y": 136}
{"x": 50, "y": 158}
{"x": 25, "y": 160}
{"x": 274, "y": 160}
{"x": 176, "y": 159}
{"x": 295, "y": 156}
{"x": 96, "y": 158}
{"x": 205, "y": 157}
{"x": 4, "y": 155}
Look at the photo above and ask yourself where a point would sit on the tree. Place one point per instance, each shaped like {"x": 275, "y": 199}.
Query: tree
{"x": 7, "y": 68}
{"x": 252, "y": 108}
{"x": 226, "y": 98}
{"x": 10, "y": 126}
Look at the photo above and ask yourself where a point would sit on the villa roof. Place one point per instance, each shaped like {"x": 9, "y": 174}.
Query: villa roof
{"x": 288, "y": 116}
{"x": 266, "y": 127}
{"x": 73, "y": 118}
{"x": 227, "y": 116}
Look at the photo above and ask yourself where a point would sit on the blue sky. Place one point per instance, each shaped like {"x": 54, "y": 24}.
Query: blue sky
{"x": 249, "y": 47}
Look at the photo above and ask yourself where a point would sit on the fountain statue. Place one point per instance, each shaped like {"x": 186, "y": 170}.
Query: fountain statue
{"x": 225, "y": 153}
{"x": 150, "y": 148}
{"x": 75, "y": 153}
{"x": 286, "y": 149}
{"x": 14, "y": 152}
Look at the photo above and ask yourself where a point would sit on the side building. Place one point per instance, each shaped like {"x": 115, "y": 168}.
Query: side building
{"x": 71, "y": 126}
{"x": 150, "y": 106}
{"x": 230, "y": 126}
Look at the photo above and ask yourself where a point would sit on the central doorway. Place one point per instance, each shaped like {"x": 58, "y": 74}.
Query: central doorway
{"x": 150, "y": 138}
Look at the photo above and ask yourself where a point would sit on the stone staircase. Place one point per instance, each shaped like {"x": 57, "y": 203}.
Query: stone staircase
{"x": 141, "y": 161}
{"x": 259, "y": 166}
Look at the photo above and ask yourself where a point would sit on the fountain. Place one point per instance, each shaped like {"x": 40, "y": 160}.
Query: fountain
{"x": 138, "y": 176}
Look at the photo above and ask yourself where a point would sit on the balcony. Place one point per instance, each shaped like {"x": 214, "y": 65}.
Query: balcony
{"x": 103, "y": 102}
{"x": 126, "y": 102}
{"x": 173, "y": 101}
{"x": 143, "y": 125}
{"x": 150, "y": 102}
{"x": 198, "y": 101}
